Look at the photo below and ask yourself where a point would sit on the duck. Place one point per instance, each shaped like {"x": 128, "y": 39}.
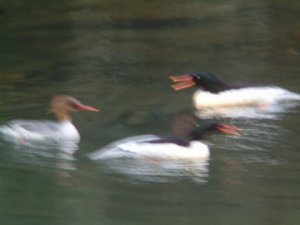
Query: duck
{"x": 169, "y": 147}
{"x": 47, "y": 132}
{"x": 214, "y": 93}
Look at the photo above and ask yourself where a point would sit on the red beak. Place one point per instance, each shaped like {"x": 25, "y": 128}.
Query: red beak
{"x": 86, "y": 108}
{"x": 182, "y": 82}
{"x": 228, "y": 129}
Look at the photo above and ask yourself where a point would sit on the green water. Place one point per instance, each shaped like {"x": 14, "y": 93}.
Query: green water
{"x": 117, "y": 55}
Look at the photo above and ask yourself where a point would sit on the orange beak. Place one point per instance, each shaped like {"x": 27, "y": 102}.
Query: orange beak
{"x": 182, "y": 82}
{"x": 228, "y": 129}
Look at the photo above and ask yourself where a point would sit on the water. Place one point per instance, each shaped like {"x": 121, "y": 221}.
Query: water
{"x": 117, "y": 56}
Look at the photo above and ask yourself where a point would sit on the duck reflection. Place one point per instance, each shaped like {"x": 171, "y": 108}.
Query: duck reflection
{"x": 49, "y": 157}
{"x": 159, "y": 170}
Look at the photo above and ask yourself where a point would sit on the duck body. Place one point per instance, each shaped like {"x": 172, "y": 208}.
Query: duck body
{"x": 169, "y": 147}
{"x": 40, "y": 131}
{"x": 153, "y": 146}
{"x": 246, "y": 96}
{"x": 216, "y": 93}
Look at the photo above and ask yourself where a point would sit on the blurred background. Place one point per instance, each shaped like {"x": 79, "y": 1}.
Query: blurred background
{"x": 118, "y": 55}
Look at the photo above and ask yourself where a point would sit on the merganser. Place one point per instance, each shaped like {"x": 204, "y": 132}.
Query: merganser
{"x": 219, "y": 94}
{"x": 45, "y": 132}
{"x": 165, "y": 147}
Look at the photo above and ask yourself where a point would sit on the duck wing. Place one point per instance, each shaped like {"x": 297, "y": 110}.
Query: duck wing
{"x": 33, "y": 126}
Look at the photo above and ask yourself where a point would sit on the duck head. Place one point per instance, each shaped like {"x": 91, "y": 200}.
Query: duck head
{"x": 204, "y": 80}
{"x": 213, "y": 125}
{"x": 63, "y": 105}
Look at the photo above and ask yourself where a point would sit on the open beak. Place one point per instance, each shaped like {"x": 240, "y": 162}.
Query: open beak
{"x": 182, "y": 82}
{"x": 228, "y": 129}
{"x": 86, "y": 108}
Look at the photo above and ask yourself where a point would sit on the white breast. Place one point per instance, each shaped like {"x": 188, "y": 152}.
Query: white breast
{"x": 245, "y": 96}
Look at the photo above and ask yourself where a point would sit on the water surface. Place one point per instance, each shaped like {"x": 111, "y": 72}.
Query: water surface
{"x": 118, "y": 56}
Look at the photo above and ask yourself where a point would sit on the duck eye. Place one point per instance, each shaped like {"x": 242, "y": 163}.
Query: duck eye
{"x": 197, "y": 77}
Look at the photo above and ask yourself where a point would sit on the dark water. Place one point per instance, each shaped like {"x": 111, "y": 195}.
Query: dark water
{"x": 118, "y": 55}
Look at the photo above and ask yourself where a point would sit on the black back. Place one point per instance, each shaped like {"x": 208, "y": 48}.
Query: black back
{"x": 171, "y": 139}
{"x": 197, "y": 133}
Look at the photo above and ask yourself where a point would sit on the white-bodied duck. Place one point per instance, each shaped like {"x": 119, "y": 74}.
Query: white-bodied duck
{"x": 215, "y": 93}
{"x": 165, "y": 147}
{"x": 46, "y": 132}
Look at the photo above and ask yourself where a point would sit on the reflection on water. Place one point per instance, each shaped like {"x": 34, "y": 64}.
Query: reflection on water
{"x": 44, "y": 157}
{"x": 148, "y": 170}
